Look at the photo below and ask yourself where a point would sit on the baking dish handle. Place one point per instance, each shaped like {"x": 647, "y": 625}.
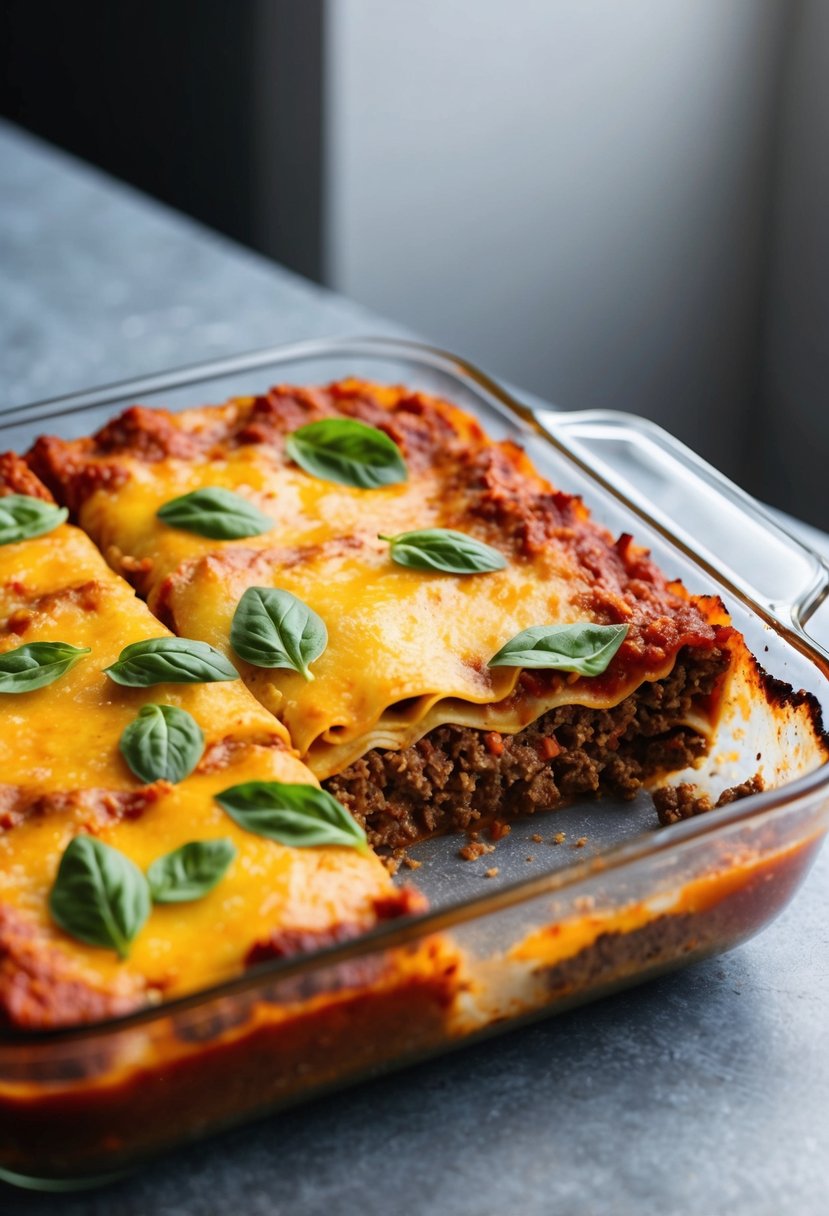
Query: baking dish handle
{"x": 700, "y": 510}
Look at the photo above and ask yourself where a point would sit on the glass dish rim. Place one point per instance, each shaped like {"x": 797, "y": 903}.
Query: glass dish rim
{"x": 401, "y": 933}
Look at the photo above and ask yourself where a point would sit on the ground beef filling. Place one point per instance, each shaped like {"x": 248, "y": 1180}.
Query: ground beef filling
{"x": 456, "y": 776}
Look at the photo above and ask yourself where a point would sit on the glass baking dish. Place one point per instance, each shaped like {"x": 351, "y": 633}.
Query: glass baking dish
{"x": 570, "y": 905}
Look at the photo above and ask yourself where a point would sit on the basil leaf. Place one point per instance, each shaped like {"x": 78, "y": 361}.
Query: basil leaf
{"x": 583, "y": 648}
{"x": 273, "y": 628}
{"x": 297, "y": 815}
{"x": 170, "y": 661}
{"x": 348, "y": 452}
{"x": 99, "y": 897}
{"x": 22, "y": 517}
{"x": 444, "y": 550}
{"x": 37, "y": 664}
{"x": 163, "y": 743}
{"x": 191, "y": 871}
{"x": 217, "y": 513}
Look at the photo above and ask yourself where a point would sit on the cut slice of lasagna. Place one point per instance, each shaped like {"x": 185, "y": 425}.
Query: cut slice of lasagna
{"x": 407, "y": 720}
{"x": 64, "y": 777}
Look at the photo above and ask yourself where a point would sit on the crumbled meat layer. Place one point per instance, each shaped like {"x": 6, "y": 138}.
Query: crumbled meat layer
{"x": 456, "y": 776}
{"x": 17, "y": 478}
{"x": 684, "y": 801}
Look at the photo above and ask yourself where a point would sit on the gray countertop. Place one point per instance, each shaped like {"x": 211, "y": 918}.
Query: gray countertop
{"x": 702, "y": 1092}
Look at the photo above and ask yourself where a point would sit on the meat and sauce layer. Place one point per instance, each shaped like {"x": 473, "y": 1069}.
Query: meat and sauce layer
{"x": 457, "y": 777}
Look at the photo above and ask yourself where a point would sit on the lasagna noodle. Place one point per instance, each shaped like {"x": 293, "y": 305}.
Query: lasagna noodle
{"x": 62, "y": 774}
{"x": 407, "y": 650}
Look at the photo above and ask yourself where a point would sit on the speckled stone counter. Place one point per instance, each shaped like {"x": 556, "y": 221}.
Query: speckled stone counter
{"x": 706, "y": 1092}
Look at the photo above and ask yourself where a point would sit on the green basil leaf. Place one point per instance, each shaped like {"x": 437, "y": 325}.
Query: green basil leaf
{"x": 191, "y": 871}
{"x": 99, "y": 897}
{"x": 37, "y": 664}
{"x": 443, "y": 550}
{"x": 22, "y": 517}
{"x": 348, "y": 452}
{"x": 296, "y": 815}
{"x": 272, "y": 628}
{"x": 584, "y": 648}
{"x": 170, "y": 661}
{"x": 216, "y": 513}
{"x": 163, "y": 743}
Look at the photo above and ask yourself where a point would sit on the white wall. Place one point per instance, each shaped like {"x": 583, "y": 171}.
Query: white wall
{"x": 571, "y": 191}
{"x": 793, "y": 458}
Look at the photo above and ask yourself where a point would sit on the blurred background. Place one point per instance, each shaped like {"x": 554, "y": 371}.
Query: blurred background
{"x": 613, "y": 203}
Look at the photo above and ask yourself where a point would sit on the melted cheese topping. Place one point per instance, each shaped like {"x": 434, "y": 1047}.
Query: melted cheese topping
{"x": 57, "y": 589}
{"x": 184, "y": 947}
{"x": 63, "y": 740}
{"x": 305, "y": 510}
{"x": 407, "y": 650}
{"x": 402, "y": 654}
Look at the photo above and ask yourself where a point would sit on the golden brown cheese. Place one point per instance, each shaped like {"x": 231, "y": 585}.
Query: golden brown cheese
{"x": 407, "y": 650}
{"x": 62, "y": 774}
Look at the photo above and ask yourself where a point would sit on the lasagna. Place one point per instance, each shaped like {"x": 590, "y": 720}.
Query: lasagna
{"x": 410, "y": 719}
{"x": 64, "y": 778}
{"x": 358, "y": 621}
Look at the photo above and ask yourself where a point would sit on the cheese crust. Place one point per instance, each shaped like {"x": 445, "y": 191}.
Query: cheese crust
{"x": 62, "y": 774}
{"x": 407, "y": 650}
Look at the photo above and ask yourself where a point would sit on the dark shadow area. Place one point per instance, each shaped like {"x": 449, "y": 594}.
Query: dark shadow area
{"x": 205, "y": 105}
